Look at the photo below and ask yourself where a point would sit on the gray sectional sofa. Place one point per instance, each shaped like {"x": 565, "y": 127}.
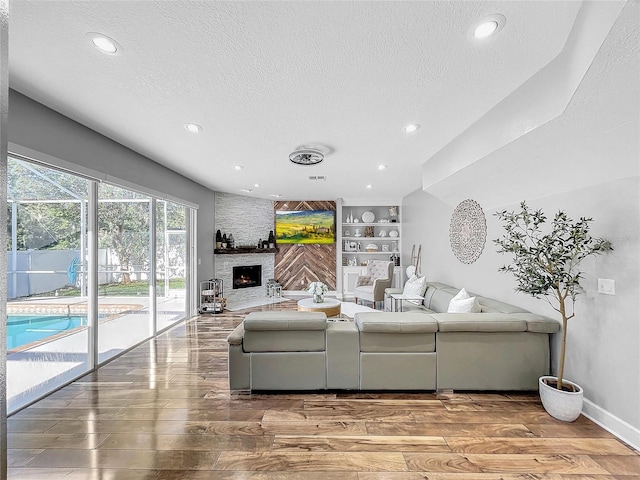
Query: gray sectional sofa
{"x": 423, "y": 348}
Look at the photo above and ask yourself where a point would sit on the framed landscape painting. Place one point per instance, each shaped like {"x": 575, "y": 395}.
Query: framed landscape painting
{"x": 306, "y": 226}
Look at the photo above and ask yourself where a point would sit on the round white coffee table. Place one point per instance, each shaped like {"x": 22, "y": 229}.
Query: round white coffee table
{"x": 330, "y": 306}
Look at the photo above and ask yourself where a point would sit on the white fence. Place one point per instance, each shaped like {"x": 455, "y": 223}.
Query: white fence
{"x": 34, "y": 272}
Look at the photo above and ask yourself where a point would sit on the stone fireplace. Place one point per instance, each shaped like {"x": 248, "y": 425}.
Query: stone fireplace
{"x": 249, "y": 220}
{"x": 229, "y": 266}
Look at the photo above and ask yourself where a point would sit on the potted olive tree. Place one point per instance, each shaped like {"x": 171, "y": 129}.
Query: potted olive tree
{"x": 545, "y": 264}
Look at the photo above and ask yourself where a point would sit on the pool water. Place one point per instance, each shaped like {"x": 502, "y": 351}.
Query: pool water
{"x": 23, "y": 329}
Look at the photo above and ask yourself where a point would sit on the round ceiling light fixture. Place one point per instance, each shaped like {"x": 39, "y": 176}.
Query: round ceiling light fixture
{"x": 307, "y": 155}
{"x": 104, "y": 43}
{"x": 193, "y": 127}
{"x": 487, "y": 26}
{"x": 412, "y": 127}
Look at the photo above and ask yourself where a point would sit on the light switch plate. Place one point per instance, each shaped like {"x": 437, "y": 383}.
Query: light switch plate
{"x": 606, "y": 286}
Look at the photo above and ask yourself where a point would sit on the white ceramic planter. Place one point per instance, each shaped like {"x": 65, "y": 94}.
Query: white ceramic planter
{"x": 565, "y": 406}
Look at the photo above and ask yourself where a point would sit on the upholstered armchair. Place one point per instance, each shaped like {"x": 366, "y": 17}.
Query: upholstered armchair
{"x": 370, "y": 287}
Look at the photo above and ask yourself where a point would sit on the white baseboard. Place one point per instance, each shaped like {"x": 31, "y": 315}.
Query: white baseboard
{"x": 618, "y": 427}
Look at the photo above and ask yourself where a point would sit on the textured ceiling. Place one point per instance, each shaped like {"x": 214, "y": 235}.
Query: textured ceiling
{"x": 594, "y": 141}
{"x": 265, "y": 77}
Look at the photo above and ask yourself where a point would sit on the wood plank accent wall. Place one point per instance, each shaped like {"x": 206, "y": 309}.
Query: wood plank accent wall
{"x": 296, "y": 266}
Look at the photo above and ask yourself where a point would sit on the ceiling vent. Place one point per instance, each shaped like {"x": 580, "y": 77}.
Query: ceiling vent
{"x": 315, "y": 178}
{"x": 308, "y": 155}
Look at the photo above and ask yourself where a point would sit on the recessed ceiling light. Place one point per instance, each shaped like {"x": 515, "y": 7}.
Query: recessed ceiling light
{"x": 485, "y": 29}
{"x": 412, "y": 127}
{"x": 369, "y": 186}
{"x": 488, "y": 26}
{"x": 238, "y": 167}
{"x": 104, "y": 43}
{"x": 257, "y": 185}
{"x": 277, "y": 195}
{"x": 382, "y": 167}
{"x": 246, "y": 190}
{"x": 193, "y": 127}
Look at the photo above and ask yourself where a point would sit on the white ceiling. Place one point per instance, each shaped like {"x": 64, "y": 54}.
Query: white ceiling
{"x": 265, "y": 77}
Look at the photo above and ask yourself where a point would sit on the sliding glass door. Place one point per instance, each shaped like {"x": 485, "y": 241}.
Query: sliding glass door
{"x": 142, "y": 269}
{"x": 47, "y": 321}
{"x": 124, "y": 252}
{"x": 171, "y": 263}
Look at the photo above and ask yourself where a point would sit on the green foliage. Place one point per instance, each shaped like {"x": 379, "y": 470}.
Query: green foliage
{"x": 48, "y": 207}
{"x": 48, "y": 226}
{"x": 134, "y": 288}
{"x": 547, "y": 263}
{"x": 545, "y": 260}
{"x": 123, "y": 225}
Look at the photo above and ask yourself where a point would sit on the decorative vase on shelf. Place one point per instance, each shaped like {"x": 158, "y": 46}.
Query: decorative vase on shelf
{"x": 318, "y": 298}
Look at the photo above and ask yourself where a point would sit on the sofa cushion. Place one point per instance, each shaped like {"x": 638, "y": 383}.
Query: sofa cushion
{"x": 479, "y": 322}
{"x": 412, "y": 306}
{"x": 395, "y": 322}
{"x": 441, "y": 298}
{"x": 285, "y": 320}
{"x": 489, "y": 305}
{"x": 428, "y": 293}
{"x": 538, "y": 323}
{"x": 284, "y": 341}
{"x": 396, "y": 332}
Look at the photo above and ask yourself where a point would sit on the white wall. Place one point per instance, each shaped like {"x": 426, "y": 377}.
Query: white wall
{"x": 586, "y": 162}
{"x": 603, "y": 353}
{"x": 36, "y": 127}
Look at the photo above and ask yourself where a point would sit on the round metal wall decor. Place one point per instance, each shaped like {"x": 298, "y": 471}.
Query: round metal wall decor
{"x": 468, "y": 231}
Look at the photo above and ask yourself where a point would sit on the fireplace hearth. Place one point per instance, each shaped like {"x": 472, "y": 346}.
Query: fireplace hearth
{"x": 247, "y": 276}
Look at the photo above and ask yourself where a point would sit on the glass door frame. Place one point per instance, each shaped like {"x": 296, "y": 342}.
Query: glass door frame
{"x": 89, "y": 252}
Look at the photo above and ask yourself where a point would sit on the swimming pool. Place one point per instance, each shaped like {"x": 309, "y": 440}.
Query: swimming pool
{"x": 23, "y": 329}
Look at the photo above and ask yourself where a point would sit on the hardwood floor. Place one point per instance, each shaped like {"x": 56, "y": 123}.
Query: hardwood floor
{"x": 163, "y": 411}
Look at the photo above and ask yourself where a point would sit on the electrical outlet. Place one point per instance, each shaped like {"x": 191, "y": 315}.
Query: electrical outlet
{"x": 606, "y": 286}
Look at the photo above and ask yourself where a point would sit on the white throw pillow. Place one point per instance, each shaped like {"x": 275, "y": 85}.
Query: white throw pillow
{"x": 415, "y": 286}
{"x": 463, "y": 303}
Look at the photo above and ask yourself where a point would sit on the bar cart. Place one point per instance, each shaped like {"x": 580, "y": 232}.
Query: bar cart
{"x": 212, "y": 296}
